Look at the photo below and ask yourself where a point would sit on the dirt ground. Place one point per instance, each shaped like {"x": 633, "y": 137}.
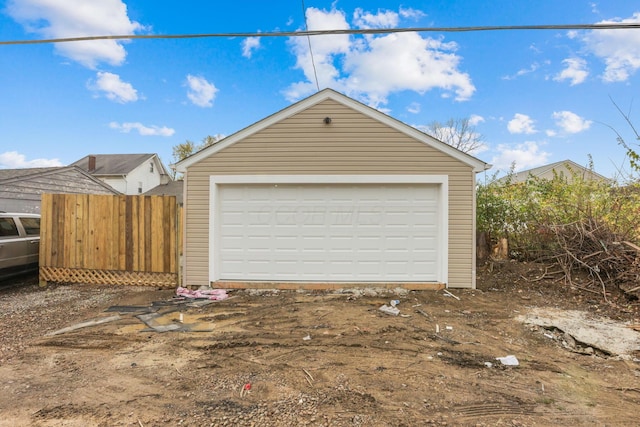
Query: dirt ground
{"x": 316, "y": 358}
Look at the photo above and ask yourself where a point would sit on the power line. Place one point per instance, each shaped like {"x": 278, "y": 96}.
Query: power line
{"x": 308, "y": 33}
{"x": 313, "y": 62}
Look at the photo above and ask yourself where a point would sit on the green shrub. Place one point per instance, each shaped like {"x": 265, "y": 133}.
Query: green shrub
{"x": 527, "y": 213}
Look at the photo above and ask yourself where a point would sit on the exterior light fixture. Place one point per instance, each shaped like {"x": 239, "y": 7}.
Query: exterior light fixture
{"x": 327, "y": 120}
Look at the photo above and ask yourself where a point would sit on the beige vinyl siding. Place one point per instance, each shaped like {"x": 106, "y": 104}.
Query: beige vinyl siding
{"x": 352, "y": 144}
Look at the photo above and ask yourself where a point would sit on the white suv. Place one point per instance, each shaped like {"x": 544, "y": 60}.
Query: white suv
{"x": 19, "y": 243}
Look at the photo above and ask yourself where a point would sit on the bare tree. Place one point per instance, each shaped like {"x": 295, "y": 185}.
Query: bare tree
{"x": 459, "y": 133}
{"x": 632, "y": 153}
{"x": 187, "y": 148}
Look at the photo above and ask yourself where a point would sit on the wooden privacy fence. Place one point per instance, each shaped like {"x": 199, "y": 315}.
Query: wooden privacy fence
{"x": 97, "y": 239}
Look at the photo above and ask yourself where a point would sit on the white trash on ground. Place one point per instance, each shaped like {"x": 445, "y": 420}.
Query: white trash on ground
{"x": 394, "y": 311}
{"x": 508, "y": 360}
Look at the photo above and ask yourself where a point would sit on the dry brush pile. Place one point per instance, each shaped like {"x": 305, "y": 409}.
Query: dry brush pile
{"x": 591, "y": 246}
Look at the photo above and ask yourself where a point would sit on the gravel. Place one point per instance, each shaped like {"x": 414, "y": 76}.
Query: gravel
{"x": 28, "y": 310}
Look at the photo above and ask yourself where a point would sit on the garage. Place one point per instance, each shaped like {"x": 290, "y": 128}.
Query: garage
{"x": 328, "y": 192}
{"x": 323, "y": 228}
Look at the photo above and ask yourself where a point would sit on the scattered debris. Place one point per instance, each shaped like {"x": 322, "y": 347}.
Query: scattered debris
{"x": 308, "y": 374}
{"x": 131, "y": 309}
{"x": 450, "y": 294}
{"x": 307, "y": 338}
{"x": 245, "y": 389}
{"x": 605, "y": 335}
{"x": 509, "y": 360}
{"x": 86, "y": 324}
{"x": 210, "y": 294}
{"x": 172, "y": 321}
{"x": 424, "y": 313}
{"x": 309, "y": 377}
{"x": 445, "y": 339}
{"x": 393, "y": 311}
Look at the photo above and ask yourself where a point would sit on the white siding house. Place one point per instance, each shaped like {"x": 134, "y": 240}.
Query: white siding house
{"x": 127, "y": 173}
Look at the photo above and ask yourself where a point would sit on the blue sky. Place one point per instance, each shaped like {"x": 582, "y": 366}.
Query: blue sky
{"x": 535, "y": 96}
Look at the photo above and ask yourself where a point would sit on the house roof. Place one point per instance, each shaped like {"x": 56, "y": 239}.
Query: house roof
{"x": 478, "y": 165}
{"x": 172, "y": 188}
{"x": 6, "y": 174}
{"x": 116, "y": 164}
{"x": 541, "y": 170}
{"x": 67, "y": 174}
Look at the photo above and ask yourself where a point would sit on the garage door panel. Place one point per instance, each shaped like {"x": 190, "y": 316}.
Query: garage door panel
{"x": 327, "y": 232}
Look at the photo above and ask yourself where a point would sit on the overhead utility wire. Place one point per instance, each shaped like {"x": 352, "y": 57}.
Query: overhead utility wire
{"x": 313, "y": 62}
{"x": 306, "y": 33}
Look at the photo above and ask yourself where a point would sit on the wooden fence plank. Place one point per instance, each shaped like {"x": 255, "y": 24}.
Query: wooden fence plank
{"x": 122, "y": 238}
{"x": 169, "y": 238}
{"x": 69, "y": 234}
{"x": 56, "y": 222}
{"x": 146, "y": 232}
{"x": 45, "y": 231}
{"x": 81, "y": 240}
{"x": 128, "y": 239}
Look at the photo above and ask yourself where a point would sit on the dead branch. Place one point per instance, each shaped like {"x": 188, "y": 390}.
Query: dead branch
{"x": 591, "y": 246}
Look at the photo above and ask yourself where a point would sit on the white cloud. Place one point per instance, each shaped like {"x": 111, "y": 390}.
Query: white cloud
{"x": 525, "y": 156}
{"x": 414, "y": 108}
{"x": 575, "y": 71}
{"x": 386, "y": 19}
{"x": 521, "y": 123}
{"x": 370, "y": 68}
{"x": 78, "y": 18}
{"x": 114, "y": 88}
{"x": 475, "y": 119}
{"x": 15, "y": 160}
{"x": 201, "y": 92}
{"x": 619, "y": 49}
{"x": 411, "y": 13}
{"x": 533, "y": 68}
{"x": 142, "y": 129}
{"x": 570, "y": 122}
{"x": 250, "y": 45}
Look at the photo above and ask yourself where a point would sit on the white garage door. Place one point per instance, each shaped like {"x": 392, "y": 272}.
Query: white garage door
{"x": 327, "y": 232}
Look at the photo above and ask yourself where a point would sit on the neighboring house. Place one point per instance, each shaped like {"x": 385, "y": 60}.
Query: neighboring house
{"x": 564, "y": 169}
{"x": 127, "y": 173}
{"x": 330, "y": 190}
{"x": 21, "y": 189}
{"x": 173, "y": 188}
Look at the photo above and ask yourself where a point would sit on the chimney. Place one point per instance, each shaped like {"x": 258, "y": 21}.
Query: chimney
{"x": 92, "y": 164}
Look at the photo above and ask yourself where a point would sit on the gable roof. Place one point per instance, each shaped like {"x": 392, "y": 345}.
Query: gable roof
{"x": 59, "y": 174}
{"x": 116, "y": 164}
{"x": 8, "y": 174}
{"x": 542, "y": 170}
{"x": 476, "y": 164}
